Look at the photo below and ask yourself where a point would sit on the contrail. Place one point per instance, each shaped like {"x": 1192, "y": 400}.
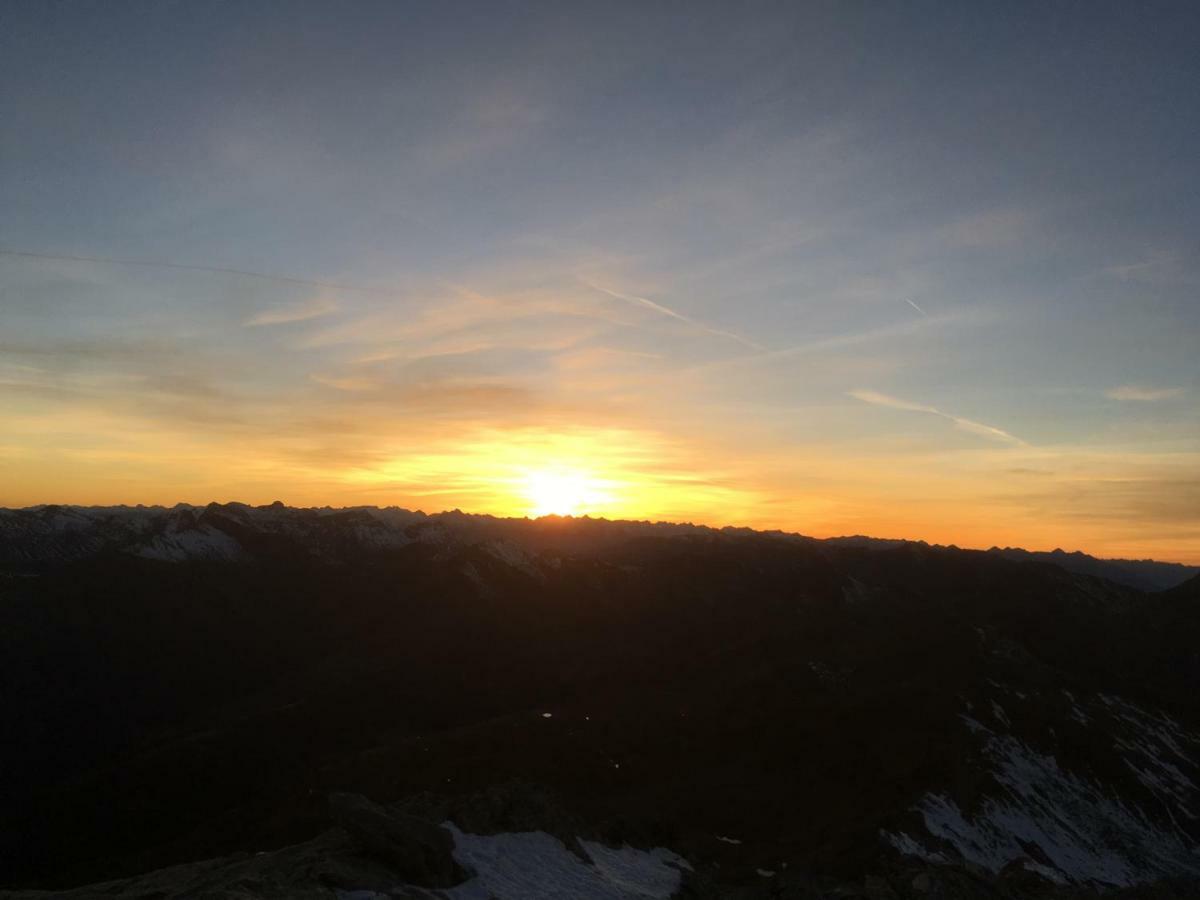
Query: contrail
{"x": 979, "y": 428}
{"x": 914, "y": 306}
{"x": 666, "y": 311}
{"x": 221, "y": 270}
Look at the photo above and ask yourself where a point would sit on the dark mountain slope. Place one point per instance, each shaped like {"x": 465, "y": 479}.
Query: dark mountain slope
{"x": 1188, "y": 591}
{"x": 827, "y": 706}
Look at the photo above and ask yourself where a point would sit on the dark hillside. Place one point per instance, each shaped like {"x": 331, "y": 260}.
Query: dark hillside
{"x": 824, "y": 704}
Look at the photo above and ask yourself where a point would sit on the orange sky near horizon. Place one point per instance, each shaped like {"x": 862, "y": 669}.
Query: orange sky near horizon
{"x": 969, "y": 497}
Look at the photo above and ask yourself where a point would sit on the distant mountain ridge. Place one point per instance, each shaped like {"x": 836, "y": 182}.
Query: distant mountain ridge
{"x": 53, "y": 532}
{"x": 1144, "y": 574}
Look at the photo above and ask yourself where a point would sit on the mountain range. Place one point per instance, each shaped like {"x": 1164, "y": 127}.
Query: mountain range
{"x": 777, "y": 714}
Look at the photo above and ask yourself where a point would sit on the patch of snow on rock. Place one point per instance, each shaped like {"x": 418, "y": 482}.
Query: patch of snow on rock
{"x": 1152, "y": 748}
{"x": 974, "y": 725}
{"x": 512, "y": 555}
{"x": 1084, "y": 834}
{"x": 1000, "y": 714}
{"x": 204, "y": 542}
{"x": 909, "y": 846}
{"x": 534, "y": 865}
{"x": 650, "y": 873}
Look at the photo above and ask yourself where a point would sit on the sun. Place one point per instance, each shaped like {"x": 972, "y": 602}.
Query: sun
{"x": 561, "y": 493}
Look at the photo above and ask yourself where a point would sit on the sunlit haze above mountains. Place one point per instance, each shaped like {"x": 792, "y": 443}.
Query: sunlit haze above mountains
{"x": 913, "y": 270}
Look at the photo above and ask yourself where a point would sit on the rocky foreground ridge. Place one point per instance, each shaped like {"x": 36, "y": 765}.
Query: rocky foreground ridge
{"x": 519, "y": 844}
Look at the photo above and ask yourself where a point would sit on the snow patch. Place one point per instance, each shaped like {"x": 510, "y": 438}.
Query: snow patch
{"x": 204, "y": 542}
{"x": 909, "y": 846}
{"x": 1083, "y": 834}
{"x": 1000, "y": 714}
{"x": 533, "y": 865}
{"x": 974, "y": 725}
{"x": 512, "y": 555}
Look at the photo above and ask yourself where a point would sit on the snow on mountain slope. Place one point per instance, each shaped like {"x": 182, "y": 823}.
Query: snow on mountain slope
{"x": 533, "y": 865}
{"x": 536, "y": 866}
{"x": 49, "y": 534}
{"x": 202, "y": 542}
{"x": 1065, "y": 825}
{"x": 512, "y": 555}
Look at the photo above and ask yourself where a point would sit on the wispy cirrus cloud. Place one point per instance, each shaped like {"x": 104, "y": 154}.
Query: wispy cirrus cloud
{"x": 1142, "y": 394}
{"x": 670, "y": 313}
{"x": 970, "y": 425}
{"x": 297, "y": 312}
{"x": 1158, "y": 266}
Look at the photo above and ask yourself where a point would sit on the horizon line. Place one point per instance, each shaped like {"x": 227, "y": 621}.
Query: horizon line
{"x": 604, "y": 519}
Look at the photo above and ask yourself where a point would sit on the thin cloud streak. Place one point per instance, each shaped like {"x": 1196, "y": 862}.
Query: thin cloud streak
{"x": 970, "y": 425}
{"x": 1142, "y": 394}
{"x": 302, "y": 312}
{"x": 836, "y": 342}
{"x": 917, "y": 308}
{"x": 694, "y": 323}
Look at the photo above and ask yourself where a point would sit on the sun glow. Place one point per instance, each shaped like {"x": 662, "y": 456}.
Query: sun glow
{"x": 533, "y": 471}
{"x": 562, "y": 493}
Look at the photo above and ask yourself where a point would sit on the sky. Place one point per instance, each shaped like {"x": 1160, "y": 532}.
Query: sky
{"x": 902, "y": 269}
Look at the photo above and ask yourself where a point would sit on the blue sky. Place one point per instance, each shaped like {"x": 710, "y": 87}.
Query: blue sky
{"x": 923, "y": 270}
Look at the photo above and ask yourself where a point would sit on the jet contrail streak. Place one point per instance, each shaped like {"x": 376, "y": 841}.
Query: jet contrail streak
{"x": 979, "y": 428}
{"x": 667, "y": 311}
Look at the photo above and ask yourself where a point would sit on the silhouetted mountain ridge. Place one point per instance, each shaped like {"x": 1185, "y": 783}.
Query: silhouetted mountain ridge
{"x": 53, "y": 532}
{"x": 1144, "y": 574}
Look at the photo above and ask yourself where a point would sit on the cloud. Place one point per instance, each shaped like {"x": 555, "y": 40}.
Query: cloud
{"x": 298, "y": 312}
{"x": 666, "y": 311}
{"x": 95, "y": 348}
{"x": 521, "y": 315}
{"x": 587, "y": 358}
{"x": 1159, "y": 266}
{"x": 1126, "y": 270}
{"x": 906, "y": 328}
{"x": 346, "y": 384}
{"x": 878, "y": 399}
{"x": 970, "y": 425}
{"x": 1143, "y": 394}
{"x": 917, "y": 308}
